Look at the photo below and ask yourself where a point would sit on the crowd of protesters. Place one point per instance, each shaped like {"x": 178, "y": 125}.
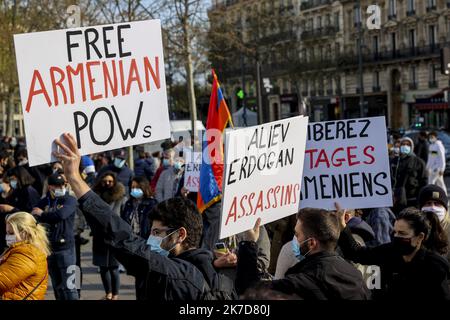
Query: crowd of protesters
{"x": 145, "y": 223}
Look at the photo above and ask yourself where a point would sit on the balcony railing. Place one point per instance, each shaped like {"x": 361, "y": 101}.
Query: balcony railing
{"x": 330, "y": 92}
{"x": 410, "y": 13}
{"x": 392, "y": 16}
{"x": 432, "y": 84}
{"x": 413, "y": 86}
{"x": 389, "y": 55}
{"x": 321, "y": 32}
{"x": 376, "y": 89}
{"x": 306, "y": 5}
{"x": 431, "y": 8}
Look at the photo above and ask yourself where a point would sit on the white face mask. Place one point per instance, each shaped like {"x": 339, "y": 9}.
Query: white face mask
{"x": 10, "y": 239}
{"x": 439, "y": 211}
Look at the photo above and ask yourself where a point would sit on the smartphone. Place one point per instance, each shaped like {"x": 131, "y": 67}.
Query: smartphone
{"x": 221, "y": 247}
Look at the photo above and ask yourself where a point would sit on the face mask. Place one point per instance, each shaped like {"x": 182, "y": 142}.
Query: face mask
{"x": 432, "y": 140}
{"x": 13, "y": 184}
{"x": 178, "y": 165}
{"x": 13, "y": 143}
{"x": 136, "y": 193}
{"x": 405, "y": 149}
{"x": 439, "y": 211}
{"x": 396, "y": 150}
{"x": 60, "y": 192}
{"x": 166, "y": 163}
{"x": 119, "y": 163}
{"x": 1, "y": 188}
{"x": 23, "y": 162}
{"x": 403, "y": 245}
{"x": 10, "y": 239}
{"x": 155, "y": 244}
{"x": 296, "y": 249}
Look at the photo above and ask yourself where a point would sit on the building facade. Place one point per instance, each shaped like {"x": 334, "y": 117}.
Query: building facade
{"x": 310, "y": 55}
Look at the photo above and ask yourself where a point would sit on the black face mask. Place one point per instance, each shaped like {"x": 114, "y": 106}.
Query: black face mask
{"x": 403, "y": 245}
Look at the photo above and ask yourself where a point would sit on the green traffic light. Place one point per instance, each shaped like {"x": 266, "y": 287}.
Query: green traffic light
{"x": 240, "y": 94}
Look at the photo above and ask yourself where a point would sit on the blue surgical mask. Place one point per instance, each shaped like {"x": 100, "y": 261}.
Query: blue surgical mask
{"x": 155, "y": 244}
{"x": 13, "y": 184}
{"x": 405, "y": 149}
{"x": 60, "y": 192}
{"x": 1, "y": 188}
{"x": 296, "y": 249}
{"x": 137, "y": 193}
{"x": 166, "y": 163}
{"x": 119, "y": 163}
{"x": 178, "y": 165}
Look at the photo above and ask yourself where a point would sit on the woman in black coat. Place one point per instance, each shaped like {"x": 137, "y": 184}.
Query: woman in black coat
{"x": 16, "y": 194}
{"x": 411, "y": 268}
{"x": 113, "y": 193}
{"x": 137, "y": 209}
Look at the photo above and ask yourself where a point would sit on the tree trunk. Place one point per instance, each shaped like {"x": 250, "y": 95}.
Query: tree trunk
{"x": 190, "y": 81}
{"x": 10, "y": 115}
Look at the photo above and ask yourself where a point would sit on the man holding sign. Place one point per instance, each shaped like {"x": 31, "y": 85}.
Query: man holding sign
{"x": 103, "y": 84}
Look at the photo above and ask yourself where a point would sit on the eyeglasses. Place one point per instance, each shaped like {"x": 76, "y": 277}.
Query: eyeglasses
{"x": 157, "y": 232}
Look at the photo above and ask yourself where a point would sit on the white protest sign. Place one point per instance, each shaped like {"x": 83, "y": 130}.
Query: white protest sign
{"x": 261, "y": 177}
{"x": 346, "y": 161}
{"x": 104, "y": 84}
{"x": 193, "y": 161}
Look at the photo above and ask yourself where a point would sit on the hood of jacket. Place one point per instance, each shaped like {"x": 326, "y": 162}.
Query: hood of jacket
{"x": 203, "y": 260}
{"x": 114, "y": 194}
{"x": 410, "y": 141}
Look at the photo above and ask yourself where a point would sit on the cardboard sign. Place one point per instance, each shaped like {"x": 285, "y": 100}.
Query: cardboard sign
{"x": 261, "y": 173}
{"x": 104, "y": 84}
{"x": 193, "y": 161}
{"x": 346, "y": 161}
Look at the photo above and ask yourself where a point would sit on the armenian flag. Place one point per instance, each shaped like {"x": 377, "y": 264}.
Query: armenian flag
{"x": 211, "y": 170}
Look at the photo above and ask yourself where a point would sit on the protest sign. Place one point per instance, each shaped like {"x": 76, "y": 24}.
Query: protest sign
{"x": 261, "y": 173}
{"x": 193, "y": 161}
{"x": 346, "y": 161}
{"x": 104, "y": 84}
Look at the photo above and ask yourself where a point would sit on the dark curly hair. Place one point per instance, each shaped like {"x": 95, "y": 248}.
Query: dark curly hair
{"x": 179, "y": 212}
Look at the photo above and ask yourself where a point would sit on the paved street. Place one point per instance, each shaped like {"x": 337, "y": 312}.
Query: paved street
{"x": 92, "y": 288}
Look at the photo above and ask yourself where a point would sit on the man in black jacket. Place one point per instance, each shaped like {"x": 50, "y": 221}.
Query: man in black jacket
{"x": 58, "y": 210}
{"x": 320, "y": 274}
{"x": 408, "y": 177}
{"x": 167, "y": 265}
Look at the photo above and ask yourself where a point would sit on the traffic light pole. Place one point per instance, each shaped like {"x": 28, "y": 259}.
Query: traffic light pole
{"x": 259, "y": 92}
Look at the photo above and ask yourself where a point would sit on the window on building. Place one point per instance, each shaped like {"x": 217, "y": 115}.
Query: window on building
{"x": 411, "y": 7}
{"x": 431, "y": 4}
{"x": 304, "y": 57}
{"x": 392, "y": 8}
{"x": 393, "y": 42}
{"x": 412, "y": 39}
{"x": 413, "y": 76}
{"x": 330, "y": 85}
{"x": 336, "y": 20}
{"x": 376, "y": 81}
{"x": 432, "y": 35}
{"x": 338, "y": 48}
{"x": 375, "y": 45}
{"x": 432, "y": 77}
{"x": 310, "y": 24}
{"x": 357, "y": 15}
{"x": 319, "y": 22}
{"x": 329, "y": 51}
{"x": 328, "y": 20}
